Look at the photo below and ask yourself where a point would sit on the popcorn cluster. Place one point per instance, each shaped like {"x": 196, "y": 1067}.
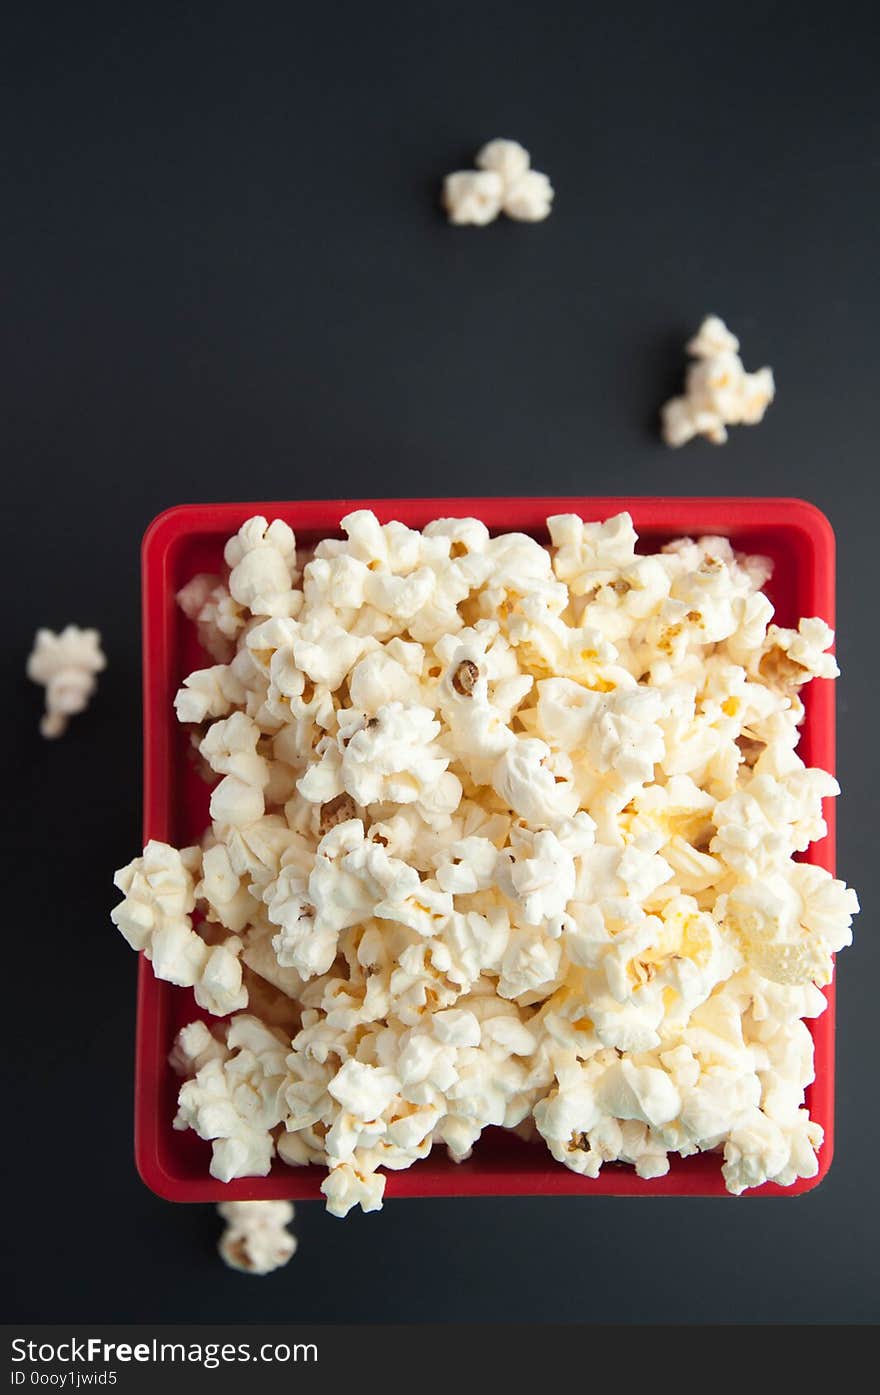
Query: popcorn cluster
{"x": 256, "y": 1239}
{"x": 502, "y": 835}
{"x": 718, "y": 391}
{"x": 503, "y": 182}
{"x": 65, "y": 665}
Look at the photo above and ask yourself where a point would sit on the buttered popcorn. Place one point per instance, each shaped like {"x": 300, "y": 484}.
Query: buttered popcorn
{"x": 502, "y": 834}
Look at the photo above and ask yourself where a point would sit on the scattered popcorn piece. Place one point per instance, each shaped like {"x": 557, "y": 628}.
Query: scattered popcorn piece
{"x": 503, "y": 182}
{"x": 502, "y": 835}
{"x": 256, "y": 1239}
{"x": 718, "y": 391}
{"x": 65, "y": 665}
{"x": 217, "y": 616}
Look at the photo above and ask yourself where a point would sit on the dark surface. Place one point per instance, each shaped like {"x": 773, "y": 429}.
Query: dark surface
{"x": 226, "y": 277}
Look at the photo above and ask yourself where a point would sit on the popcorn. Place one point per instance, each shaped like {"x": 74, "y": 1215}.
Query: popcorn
{"x": 256, "y": 1240}
{"x": 230, "y": 748}
{"x": 65, "y": 665}
{"x": 792, "y": 657}
{"x": 155, "y": 917}
{"x": 530, "y": 965}
{"x": 262, "y": 558}
{"x": 589, "y": 555}
{"x": 501, "y": 835}
{"x": 503, "y": 182}
{"x": 345, "y": 1187}
{"x": 193, "y": 1047}
{"x": 529, "y": 198}
{"x": 542, "y": 874}
{"x": 228, "y": 900}
{"x": 390, "y": 757}
{"x": 645, "y": 1093}
{"x": 525, "y": 778}
{"x": 718, "y": 391}
{"x": 217, "y": 617}
{"x": 526, "y": 194}
{"x": 364, "y": 1091}
{"x": 236, "y": 803}
{"x": 236, "y": 1102}
{"x": 209, "y": 692}
{"x": 473, "y": 196}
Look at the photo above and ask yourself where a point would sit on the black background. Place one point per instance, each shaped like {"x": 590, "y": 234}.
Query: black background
{"x": 226, "y": 277}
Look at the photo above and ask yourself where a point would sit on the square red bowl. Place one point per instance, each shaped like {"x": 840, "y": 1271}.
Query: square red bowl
{"x": 189, "y": 539}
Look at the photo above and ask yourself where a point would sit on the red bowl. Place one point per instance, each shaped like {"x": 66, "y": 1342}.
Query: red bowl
{"x": 189, "y": 539}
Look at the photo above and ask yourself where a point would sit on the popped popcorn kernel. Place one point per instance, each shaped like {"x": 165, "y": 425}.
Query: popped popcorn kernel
{"x": 256, "y": 1239}
{"x": 718, "y": 391}
{"x": 66, "y": 666}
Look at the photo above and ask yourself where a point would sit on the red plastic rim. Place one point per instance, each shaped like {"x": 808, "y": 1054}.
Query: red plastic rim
{"x": 188, "y": 539}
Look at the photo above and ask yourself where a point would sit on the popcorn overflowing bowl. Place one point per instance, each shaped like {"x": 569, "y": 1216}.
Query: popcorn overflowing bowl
{"x": 618, "y": 1097}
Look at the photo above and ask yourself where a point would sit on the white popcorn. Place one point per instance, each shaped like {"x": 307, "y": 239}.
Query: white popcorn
{"x": 263, "y": 561}
{"x": 228, "y": 900}
{"x": 541, "y": 876}
{"x": 256, "y": 1239}
{"x": 792, "y": 657}
{"x": 209, "y": 692}
{"x": 159, "y": 893}
{"x": 364, "y": 1091}
{"x": 155, "y": 917}
{"x": 591, "y": 554}
{"x": 65, "y": 665}
{"x": 526, "y": 194}
{"x": 236, "y": 1102}
{"x": 392, "y": 756}
{"x": 218, "y": 988}
{"x": 529, "y": 199}
{"x": 503, "y": 181}
{"x": 217, "y": 617}
{"x": 530, "y": 965}
{"x": 525, "y": 779}
{"x": 473, "y": 196}
{"x": 718, "y": 391}
{"x": 507, "y": 157}
{"x": 629, "y": 1091}
{"x": 236, "y": 802}
{"x": 501, "y": 835}
{"x": 345, "y": 1187}
{"x": 379, "y": 678}
{"x": 193, "y": 1047}
{"x": 712, "y": 338}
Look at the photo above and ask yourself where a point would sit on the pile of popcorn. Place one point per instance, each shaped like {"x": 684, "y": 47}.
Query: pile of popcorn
{"x": 503, "y": 835}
